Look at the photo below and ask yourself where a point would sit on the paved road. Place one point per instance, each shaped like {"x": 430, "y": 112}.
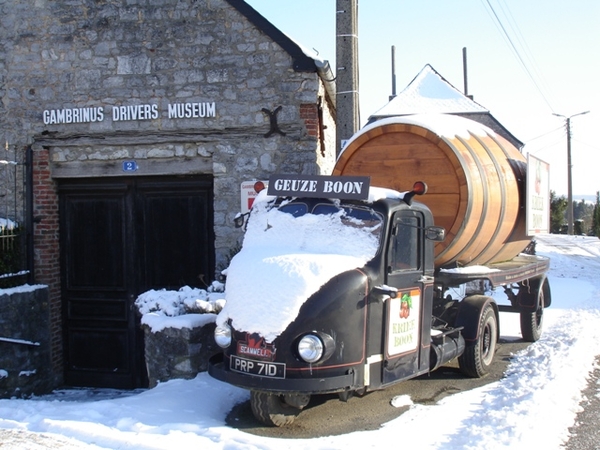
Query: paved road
{"x": 586, "y": 433}
{"x": 330, "y": 416}
{"x": 327, "y": 415}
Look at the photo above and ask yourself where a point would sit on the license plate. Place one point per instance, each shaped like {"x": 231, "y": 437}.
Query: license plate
{"x": 258, "y": 368}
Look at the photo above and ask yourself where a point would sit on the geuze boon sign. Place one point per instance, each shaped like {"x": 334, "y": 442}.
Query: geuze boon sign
{"x": 349, "y": 188}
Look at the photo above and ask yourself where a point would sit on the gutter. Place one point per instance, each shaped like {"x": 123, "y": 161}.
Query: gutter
{"x": 326, "y": 74}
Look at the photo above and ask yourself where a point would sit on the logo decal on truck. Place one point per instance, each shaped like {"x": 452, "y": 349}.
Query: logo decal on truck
{"x": 255, "y": 347}
{"x": 403, "y": 322}
{"x": 405, "y": 306}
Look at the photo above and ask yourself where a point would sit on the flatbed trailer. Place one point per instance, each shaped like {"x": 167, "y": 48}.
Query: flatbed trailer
{"x": 523, "y": 281}
{"x": 516, "y": 270}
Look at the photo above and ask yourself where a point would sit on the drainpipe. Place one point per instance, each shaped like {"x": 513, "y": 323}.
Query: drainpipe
{"x": 29, "y": 213}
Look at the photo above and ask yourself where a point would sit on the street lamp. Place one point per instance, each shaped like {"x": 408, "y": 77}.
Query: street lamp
{"x": 569, "y": 169}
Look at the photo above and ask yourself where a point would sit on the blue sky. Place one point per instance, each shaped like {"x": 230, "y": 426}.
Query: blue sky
{"x": 558, "y": 42}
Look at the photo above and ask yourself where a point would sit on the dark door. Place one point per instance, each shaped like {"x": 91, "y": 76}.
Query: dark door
{"x": 175, "y": 222}
{"x": 119, "y": 238}
{"x": 404, "y": 315}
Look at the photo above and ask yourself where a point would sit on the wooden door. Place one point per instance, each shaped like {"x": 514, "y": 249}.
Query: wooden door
{"x": 119, "y": 238}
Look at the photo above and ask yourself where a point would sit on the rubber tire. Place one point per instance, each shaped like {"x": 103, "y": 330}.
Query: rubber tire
{"x": 477, "y": 358}
{"x": 532, "y": 323}
{"x": 271, "y": 409}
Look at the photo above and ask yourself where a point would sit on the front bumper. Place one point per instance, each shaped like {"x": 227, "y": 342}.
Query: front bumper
{"x": 314, "y": 385}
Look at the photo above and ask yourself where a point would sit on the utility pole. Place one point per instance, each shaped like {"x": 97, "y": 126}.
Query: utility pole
{"x": 393, "y": 73}
{"x": 348, "y": 119}
{"x": 569, "y": 170}
{"x": 465, "y": 79}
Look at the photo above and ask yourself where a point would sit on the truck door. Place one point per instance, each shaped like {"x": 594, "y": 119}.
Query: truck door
{"x": 406, "y": 337}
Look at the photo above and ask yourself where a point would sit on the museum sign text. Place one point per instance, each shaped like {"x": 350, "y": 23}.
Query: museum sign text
{"x": 128, "y": 113}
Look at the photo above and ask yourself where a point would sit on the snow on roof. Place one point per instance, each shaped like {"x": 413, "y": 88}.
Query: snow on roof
{"x": 471, "y": 270}
{"x": 286, "y": 259}
{"x": 379, "y": 193}
{"x": 429, "y": 92}
{"x": 311, "y": 53}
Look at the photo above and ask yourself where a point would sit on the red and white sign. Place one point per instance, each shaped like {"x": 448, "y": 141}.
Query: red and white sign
{"x": 538, "y": 196}
{"x": 404, "y": 323}
{"x": 249, "y": 190}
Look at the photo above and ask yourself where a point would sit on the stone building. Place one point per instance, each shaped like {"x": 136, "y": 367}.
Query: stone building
{"x": 143, "y": 118}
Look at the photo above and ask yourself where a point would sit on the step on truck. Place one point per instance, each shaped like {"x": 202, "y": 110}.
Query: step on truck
{"x": 344, "y": 287}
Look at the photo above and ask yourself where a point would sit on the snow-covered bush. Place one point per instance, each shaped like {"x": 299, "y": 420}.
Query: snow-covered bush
{"x": 186, "y": 300}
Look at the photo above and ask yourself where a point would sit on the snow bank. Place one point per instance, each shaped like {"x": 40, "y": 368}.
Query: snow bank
{"x": 186, "y": 308}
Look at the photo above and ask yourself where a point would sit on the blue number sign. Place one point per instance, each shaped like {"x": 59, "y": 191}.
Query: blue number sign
{"x": 129, "y": 166}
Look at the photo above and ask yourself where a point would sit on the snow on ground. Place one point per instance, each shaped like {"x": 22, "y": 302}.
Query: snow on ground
{"x": 532, "y": 407}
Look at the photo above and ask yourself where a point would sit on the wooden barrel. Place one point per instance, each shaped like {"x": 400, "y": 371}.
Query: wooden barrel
{"x": 476, "y": 181}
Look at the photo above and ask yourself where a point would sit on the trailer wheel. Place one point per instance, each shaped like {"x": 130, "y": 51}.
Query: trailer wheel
{"x": 477, "y": 357}
{"x": 531, "y": 322}
{"x": 274, "y": 410}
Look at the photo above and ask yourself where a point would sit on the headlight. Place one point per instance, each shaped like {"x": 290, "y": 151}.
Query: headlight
{"x": 223, "y": 335}
{"x": 310, "y": 348}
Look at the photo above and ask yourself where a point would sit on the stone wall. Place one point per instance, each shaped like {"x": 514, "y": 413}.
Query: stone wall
{"x": 58, "y": 58}
{"x": 25, "y": 353}
{"x": 178, "y": 352}
{"x": 132, "y": 61}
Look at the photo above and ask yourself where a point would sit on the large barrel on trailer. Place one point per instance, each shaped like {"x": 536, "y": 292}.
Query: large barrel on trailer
{"x": 476, "y": 181}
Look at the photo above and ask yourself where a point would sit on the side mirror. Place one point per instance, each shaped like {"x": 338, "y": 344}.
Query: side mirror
{"x": 239, "y": 219}
{"x": 437, "y": 234}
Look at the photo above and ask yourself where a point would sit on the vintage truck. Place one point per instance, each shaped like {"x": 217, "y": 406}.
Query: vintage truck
{"x": 343, "y": 287}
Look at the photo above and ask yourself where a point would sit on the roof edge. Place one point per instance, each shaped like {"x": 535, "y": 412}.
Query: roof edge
{"x": 301, "y": 61}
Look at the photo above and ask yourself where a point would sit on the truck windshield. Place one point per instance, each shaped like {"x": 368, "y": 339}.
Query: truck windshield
{"x": 353, "y": 216}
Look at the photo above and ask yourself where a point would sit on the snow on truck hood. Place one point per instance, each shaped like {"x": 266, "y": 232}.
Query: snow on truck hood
{"x": 283, "y": 261}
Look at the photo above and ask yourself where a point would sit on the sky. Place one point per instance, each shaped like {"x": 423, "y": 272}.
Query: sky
{"x": 533, "y": 406}
{"x": 549, "y": 65}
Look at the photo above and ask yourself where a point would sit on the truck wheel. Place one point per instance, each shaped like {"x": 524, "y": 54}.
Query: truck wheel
{"x": 531, "y": 323}
{"x": 273, "y": 410}
{"x": 477, "y": 358}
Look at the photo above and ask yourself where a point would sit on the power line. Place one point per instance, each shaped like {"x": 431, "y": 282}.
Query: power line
{"x": 545, "y": 134}
{"x": 507, "y": 36}
{"x": 523, "y": 43}
{"x": 546, "y": 147}
{"x": 586, "y": 144}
